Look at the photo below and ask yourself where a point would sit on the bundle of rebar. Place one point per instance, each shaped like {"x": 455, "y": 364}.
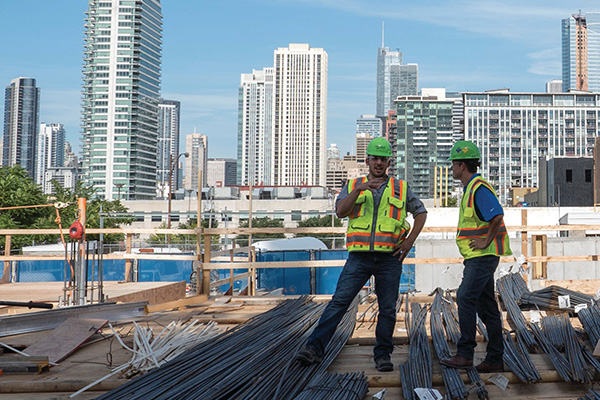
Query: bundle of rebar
{"x": 561, "y": 365}
{"x": 590, "y": 395}
{"x": 416, "y": 372}
{"x": 562, "y": 336}
{"x": 450, "y": 316}
{"x": 547, "y": 298}
{"x": 590, "y": 319}
{"x": 517, "y": 359}
{"x": 511, "y": 287}
{"x": 348, "y": 386}
{"x": 249, "y": 362}
{"x": 455, "y": 386}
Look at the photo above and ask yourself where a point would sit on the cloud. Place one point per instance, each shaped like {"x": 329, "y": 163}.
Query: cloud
{"x": 531, "y": 22}
{"x": 545, "y": 62}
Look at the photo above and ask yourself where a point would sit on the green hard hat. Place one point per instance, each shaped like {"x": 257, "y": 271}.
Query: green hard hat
{"x": 379, "y": 147}
{"x": 464, "y": 150}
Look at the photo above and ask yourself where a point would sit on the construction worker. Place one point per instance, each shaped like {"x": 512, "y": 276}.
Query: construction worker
{"x": 378, "y": 240}
{"x": 481, "y": 238}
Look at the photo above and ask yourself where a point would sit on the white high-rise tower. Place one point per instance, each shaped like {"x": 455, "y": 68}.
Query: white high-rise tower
{"x": 300, "y": 116}
{"x": 121, "y": 90}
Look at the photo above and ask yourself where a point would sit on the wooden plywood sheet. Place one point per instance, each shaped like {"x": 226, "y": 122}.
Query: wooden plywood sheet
{"x": 65, "y": 339}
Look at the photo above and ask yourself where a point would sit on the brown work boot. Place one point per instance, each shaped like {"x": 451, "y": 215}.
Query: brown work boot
{"x": 457, "y": 362}
{"x": 485, "y": 367}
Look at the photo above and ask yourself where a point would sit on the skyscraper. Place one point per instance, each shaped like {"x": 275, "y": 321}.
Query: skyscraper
{"x": 370, "y": 125}
{"x": 196, "y": 145}
{"x": 255, "y": 127}
{"x": 385, "y": 60}
{"x": 21, "y": 126}
{"x": 581, "y": 52}
{"x": 168, "y": 145}
{"x": 50, "y": 151}
{"x": 121, "y": 87}
{"x": 300, "y": 116}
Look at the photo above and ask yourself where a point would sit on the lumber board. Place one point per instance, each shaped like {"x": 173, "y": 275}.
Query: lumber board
{"x": 65, "y": 338}
{"x": 18, "y": 364}
{"x": 177, "y": 304}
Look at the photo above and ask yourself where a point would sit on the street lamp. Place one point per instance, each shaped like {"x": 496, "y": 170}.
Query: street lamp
{"x": 173, "y": 163}
{"x": 119, "y": 186}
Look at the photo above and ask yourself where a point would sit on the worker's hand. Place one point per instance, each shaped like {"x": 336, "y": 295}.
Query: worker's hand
{"x": 401, "y": 251}
{"x": 478, "y": 243}
{"x": 371, "y": 185}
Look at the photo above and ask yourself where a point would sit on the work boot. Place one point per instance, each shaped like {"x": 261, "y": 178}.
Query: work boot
{"x": 383, "y": 364}
{"x": 457, "y": 361}
{"x": 308, "y": 355}
{"x": 486, "y": 367}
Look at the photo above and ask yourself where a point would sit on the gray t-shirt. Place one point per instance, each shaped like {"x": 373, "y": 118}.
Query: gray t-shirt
{"x": 414, "y": 205}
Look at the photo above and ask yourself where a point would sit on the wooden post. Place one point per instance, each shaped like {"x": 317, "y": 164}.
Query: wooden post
{"x": 6, "y": 273}
{"x": 231, "y": 272}
{"x": 539, "y": 247}
{"x": 524, "y": 242}
{"x": 447, "y": 191}
{"x": 129, "y": 261}
{"x": 206, "y": 260}
{"x": 252, "y": 278}
{"x": 435, "y": 185}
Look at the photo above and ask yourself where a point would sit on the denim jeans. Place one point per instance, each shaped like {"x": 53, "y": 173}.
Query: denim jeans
{"x": 476, "y": 296}
{"x": 358, "y": 269}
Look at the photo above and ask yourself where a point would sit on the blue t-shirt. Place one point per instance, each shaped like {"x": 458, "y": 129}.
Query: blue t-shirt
{"x": 487, "y": 205}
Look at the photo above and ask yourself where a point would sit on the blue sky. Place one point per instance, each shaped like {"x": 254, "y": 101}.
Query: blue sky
{"x": 461, "y": 45}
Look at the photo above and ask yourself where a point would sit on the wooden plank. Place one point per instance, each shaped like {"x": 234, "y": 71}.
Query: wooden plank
{"x": 177, "y": 304}
{"x": 65, "y": 339}
{"x": 19, "y": 363}
{"x": 6, "y": 273}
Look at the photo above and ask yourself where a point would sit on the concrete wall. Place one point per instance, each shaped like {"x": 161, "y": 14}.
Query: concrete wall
{"x": 448, "y": 276}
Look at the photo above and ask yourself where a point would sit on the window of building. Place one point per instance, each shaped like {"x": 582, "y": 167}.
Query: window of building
{"x": 588, "y": 175}
{"x": 569, "y": 175}
{"x": 157, "y": 218}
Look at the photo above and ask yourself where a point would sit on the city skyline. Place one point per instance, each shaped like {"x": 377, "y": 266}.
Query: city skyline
{"x": 462, "y": 46}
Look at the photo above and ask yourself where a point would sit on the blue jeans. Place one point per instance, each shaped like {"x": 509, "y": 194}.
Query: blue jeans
{"x": 358, "y": 269}
{"x": 476, "y": 296}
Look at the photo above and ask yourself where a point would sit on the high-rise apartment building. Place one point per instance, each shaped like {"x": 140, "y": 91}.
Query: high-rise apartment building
{"x": 422, "y": 140}
{"x": 513, "y": 130}
{"x": 370, "y": 125}
{"x": 299, "y": 116}
{"x": 167, "y": 146}
{"x": 221, "y": 172}
{"x": 50, "y": 150}
{"x": 282, "y": 120}
{"x": 196, "y": 145}
{"x": 121, "y": 91}
{"x": 255, "y": 127}
{"x": 404, "y": 80}
{"x": 385, "y": 60}
{"x": 362, "y": 141}
{"x": 21, "y": 124}
{"x": 581, "y": 52}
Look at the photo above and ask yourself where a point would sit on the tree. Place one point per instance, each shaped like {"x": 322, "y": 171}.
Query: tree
{"x": 326, "y": 238}
{"x": 159, "y": 238}
{"x": 266, "y": 222}
{"x": 17, "y": 189}
{"x": 452, "y": 202}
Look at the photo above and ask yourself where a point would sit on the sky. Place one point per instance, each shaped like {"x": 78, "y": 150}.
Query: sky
{"x": 460, "y": 45}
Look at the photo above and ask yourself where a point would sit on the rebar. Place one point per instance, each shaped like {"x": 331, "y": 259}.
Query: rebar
{"x": 517, "y": 359}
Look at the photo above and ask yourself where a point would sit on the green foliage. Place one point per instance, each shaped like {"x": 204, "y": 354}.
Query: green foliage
{"x": 161, "y": 239}
{"x": 18, "y": 189}
{"x": 266, "y": 222}
{"x": 452, "y": 202}
{"x": 326, "y": 238}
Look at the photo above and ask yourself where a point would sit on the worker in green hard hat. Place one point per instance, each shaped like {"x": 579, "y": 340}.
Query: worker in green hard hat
{"x": 378, "y": 240}
{"x": 482, "y": 239}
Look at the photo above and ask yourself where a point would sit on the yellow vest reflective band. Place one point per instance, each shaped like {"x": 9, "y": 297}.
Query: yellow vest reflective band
{"x": 381, "y": 229}
{"x": 470, "y": 226}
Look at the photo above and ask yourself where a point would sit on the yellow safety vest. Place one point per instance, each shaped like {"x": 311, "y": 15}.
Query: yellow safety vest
{"x": 383, "y": 230}
{"x": 470, "y": 226}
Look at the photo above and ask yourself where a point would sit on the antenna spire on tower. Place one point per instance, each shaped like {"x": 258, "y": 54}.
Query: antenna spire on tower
{"x": 382, "y": 32}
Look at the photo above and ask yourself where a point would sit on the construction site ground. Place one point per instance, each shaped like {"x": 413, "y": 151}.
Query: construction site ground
{"x": 94, "y": 359}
